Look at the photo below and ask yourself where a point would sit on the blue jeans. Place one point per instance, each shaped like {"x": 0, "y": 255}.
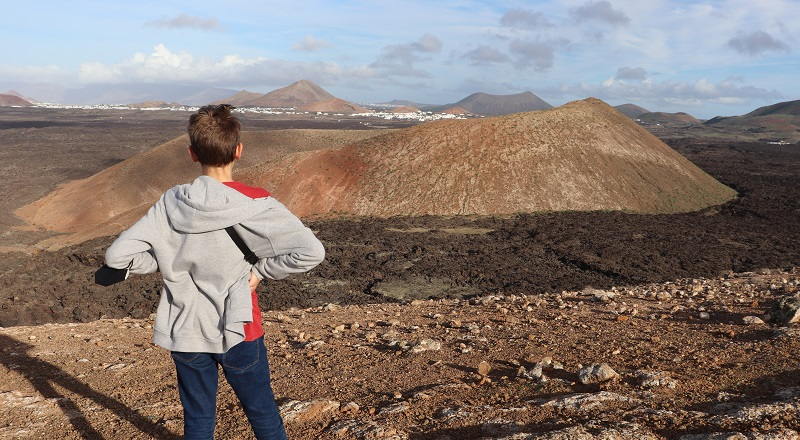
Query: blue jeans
{"x": 247, "y": 371}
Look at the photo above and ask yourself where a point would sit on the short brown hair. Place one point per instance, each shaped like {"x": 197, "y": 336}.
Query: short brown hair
{"x": 214, "y": 134}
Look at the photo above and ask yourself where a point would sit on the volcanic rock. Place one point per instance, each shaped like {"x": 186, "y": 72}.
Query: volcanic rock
{"x": 787, "y": 310}
{"x": 585, "y": 401}
{"x": 596, "y": 373}
{"x": 295, "y": 410}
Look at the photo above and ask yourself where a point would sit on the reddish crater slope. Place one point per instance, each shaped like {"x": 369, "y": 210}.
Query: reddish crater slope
{"x": 114, "y": 198}
{"x": 581, "y": 156}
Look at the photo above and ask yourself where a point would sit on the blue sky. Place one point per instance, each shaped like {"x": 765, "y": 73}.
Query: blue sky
{"x": 704, "y": 57}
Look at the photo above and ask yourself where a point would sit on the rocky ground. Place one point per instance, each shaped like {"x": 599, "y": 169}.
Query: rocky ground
{"x": 689, "y": 359}
{"x": 670, "y": 340}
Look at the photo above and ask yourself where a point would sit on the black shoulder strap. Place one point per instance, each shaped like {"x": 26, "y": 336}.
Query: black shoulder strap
{"x": 249, "y": 256}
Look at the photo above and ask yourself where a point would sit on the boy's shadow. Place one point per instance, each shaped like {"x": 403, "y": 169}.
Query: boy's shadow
{"x": 44, "y": 375}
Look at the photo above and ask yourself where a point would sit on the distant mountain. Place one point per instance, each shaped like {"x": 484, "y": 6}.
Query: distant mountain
{"x": 295, "y": 95}
{"x": 406, "y": 103}
{"x": 777, "y": 121}
{"x": 456, "y": 111}
{"x": 13, "y": 100}
{"x": 492, "y": 105}
{"x": 668, "y": 118}
{"x": 240, "y": 98}
{"x": 20, "y": 95}
{"x": 631, "y": 110}
{"x": 404, "y": 109}
{"x": 790, "y": 108}
{"x": 153, "y": 104}
{"x": 334, "y": 105}
{"x": 124, "y": 93}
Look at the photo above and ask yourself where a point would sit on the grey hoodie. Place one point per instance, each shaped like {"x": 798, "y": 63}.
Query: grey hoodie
{"x": 205, "y": 300}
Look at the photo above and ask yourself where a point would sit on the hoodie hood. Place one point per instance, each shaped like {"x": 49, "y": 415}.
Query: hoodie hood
{"x": 207, "y": 204}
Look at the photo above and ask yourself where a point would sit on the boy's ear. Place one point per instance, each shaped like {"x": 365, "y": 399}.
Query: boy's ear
{"x": 238, "y": 153}
{"x": 192, "y": 155}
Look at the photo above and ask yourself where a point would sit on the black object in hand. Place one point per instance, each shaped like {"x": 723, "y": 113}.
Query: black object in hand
{"x": 106, "y": 276}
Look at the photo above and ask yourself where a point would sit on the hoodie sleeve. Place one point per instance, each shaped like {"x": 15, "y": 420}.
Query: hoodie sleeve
{"x": 283, "y": 244}
{"x": 134, "y": 246}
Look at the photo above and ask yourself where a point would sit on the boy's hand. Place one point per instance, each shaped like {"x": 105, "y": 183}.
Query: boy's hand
{"x": 254, "y": 280}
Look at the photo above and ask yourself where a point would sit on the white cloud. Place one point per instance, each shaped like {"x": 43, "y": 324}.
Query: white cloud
{"x": 599, "y": 11}
{"x": 539, "y": 54}
{"x": 631, "y": 73}
{"x": 310, "y": 44}
{"x": 756, "y": 43}
{"x": 184, "y": 21}
{"x": 484, "y": 55}
{"x": 525, "y": 19}
{"x": 399, "y": 59}
{"x": 695, "y": 93}
{"x": 163, "y": 65}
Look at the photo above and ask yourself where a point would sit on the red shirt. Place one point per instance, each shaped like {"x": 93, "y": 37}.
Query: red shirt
{"x": 252, "y": 330}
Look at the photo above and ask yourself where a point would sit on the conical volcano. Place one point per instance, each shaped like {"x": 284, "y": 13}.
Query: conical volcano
{"x": 582, "y": 156}
{"x": 295, "y": 95}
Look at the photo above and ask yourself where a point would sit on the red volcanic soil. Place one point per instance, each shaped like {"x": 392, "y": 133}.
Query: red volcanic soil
{"x": 13, "y": 100}
{"x": 581, "y": 156}
{"x": 334, "y": 105}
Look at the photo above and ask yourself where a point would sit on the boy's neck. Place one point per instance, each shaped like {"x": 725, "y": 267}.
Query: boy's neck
{"x": 223, "y": 174}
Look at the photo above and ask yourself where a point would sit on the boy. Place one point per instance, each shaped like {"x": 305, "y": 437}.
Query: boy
{"x": 208, "y": 312}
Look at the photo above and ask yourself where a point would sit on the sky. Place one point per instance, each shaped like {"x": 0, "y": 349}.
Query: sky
{"x": 706, "y": 58}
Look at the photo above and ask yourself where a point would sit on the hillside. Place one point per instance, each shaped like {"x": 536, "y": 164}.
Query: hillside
{"x": 680, "y": 118}
{"x": 777, "y": 122}
{"x": 334, "y": 105}
{"x": 112, "y": 199}
{"x": 295, "y": 95}
{"x": 405, "y": 109}
{"x": 241, "y": 98}
{"x": 153, "y": 104}
{"x": 789, "y": 108}
{"x": 493, "y": 105}
{"x": 20, "y": 95}
{"x": 13, "y": 100}
{"x": 581, "y": 156}
{"x": 456, "y": 111}
{"x": 632, "y": 111}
